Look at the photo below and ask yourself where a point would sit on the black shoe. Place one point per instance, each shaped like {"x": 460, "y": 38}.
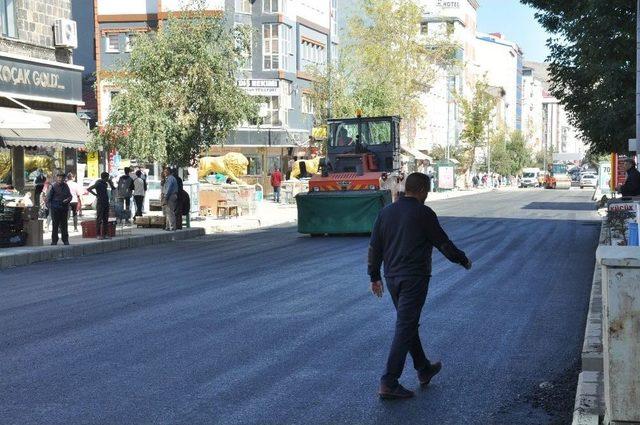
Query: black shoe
{"x": 66, "y": 243}
{"x": 425, "y": 376}
{"x": 399, "y": 392}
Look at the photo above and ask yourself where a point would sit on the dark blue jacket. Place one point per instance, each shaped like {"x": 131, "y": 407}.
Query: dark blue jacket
{"x": 403, "y": 238}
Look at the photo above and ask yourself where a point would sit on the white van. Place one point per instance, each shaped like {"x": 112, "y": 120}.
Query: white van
{"x": 530, "y": 177}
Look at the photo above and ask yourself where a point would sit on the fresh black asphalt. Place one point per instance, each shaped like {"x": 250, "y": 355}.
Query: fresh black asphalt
{"x": 272, "y": 327}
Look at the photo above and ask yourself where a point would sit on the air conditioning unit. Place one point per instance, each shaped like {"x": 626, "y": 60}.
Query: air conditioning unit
{"x": 66, "y": 33}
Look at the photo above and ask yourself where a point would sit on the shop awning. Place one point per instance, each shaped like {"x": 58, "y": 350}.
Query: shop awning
{"x": 13, "y": 118}
{"x": 65, "y": 130}
{"x": 416, "y": 154}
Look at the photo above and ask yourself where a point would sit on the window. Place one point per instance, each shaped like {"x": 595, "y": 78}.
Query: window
{"x": 312, "y": 54}
{"x": 243, "y": 6}
{"x": 274, "y": 6}
{"x": 272, "y": 111}
{"x": 113, "y": 42}
{"x": 277, "y": 52}
{"x": 424, "y": 28}
{"x": 8, "y": 18}
{"x": 130, "y": 42}
{"x": 373, "y": 133}
{"x": 273, "y": 162}
{"x": 307, "y": 104}
{"x": 255, "y": 165}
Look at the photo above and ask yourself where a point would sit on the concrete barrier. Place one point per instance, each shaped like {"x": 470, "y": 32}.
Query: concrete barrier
{"x": 621, "y": 332}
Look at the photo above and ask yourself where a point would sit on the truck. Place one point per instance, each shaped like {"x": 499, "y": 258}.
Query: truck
{"x": 530, "y": 177}
{"x": 557, "y": 177}
{"x": 347, "y": 194}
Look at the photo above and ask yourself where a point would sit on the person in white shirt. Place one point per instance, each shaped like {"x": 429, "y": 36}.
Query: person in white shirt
{"x": 76, "y": 198}
{"x": 139, "y": 189}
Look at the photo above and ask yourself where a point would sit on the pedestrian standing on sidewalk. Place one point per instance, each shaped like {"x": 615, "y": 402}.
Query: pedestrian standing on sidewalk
{"x": 179, "y": 199}
{"x": 139, "y": 189}
{"x": 39, "y": 186}
{"x": 169, "y": 199}
{"x": 100, "y": 190}
{"x": 123, "y": 195}
{"x": 631, "y": 187}
{"x": 403, "y": 238}
{"x": 58, "y": 198}
{"x": 76, "y": 196}
{"x": 276, "y": 182}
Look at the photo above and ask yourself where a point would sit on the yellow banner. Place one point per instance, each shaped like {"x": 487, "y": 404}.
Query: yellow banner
{"x": 93, "y": 169}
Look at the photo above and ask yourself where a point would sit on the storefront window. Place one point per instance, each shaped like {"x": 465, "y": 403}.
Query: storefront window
{"x": 8, "y": 18}
{"x": 255, "y": 165}
{"x": 274, "y": 162}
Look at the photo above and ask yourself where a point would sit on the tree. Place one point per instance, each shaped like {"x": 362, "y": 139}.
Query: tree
{"x": 519, "y": 153}
{"x": 179, "y": 93}
{"x": 386, "y": 64}
{"x": 592, "y": 66}
{"x": 476, "y": 115}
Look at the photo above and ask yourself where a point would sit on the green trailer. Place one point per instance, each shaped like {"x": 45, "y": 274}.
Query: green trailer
{"x": 323, "y": 213}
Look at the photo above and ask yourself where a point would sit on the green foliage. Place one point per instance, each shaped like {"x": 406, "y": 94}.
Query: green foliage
{"x": 178, "y": 90}
{"x": 509, "y": 153}
{"x": 476, "y": 115}
{"x": 385, "y": 64}
{"x": 593, "y": 65}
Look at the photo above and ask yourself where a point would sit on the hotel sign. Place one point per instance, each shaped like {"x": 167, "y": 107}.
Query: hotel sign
{"x": 32, "y": 80}
{"x": 448, "y": 4}
{"x": 260, "y": 87}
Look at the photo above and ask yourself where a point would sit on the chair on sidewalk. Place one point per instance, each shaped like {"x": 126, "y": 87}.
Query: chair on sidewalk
{"x": 226, "y": 210}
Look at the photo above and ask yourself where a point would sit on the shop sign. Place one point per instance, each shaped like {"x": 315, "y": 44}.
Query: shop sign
{"x": 448, "y": 4}
{"x": 260, "y": 87}
{"x": 445, "y": 177}
{"x": 93, "y": 169}
{"x": 26, "y": 79}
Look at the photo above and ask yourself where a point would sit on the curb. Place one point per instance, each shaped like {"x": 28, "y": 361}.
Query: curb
{"x": 589, "y": 407}
{"x": 43, "y": 254}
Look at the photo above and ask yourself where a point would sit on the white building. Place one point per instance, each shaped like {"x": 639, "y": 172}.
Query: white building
{"x": 456, "y": 20}
{"x": 500, "y": 61}
{"x": 532, "y": 110}
{"x": 559, "y": 134}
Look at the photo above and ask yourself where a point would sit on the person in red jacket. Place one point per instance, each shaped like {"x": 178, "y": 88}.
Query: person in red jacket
{"x": 276, "y": 182}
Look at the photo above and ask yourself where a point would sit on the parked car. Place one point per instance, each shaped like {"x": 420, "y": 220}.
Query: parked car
{"x": 530, "y": 177}
{"x": 588, "y": 180}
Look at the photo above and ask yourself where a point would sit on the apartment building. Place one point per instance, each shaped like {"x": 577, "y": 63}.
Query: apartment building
{"x": 288, "y": 36}
{"x": 500, "y": 61}
{"x": 457, "y": 21}
{"x": 532, "y": 108}
{"x": 40, "y": 88}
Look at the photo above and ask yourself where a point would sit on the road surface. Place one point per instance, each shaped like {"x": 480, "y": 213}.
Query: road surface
{"x": 271, "y": 327}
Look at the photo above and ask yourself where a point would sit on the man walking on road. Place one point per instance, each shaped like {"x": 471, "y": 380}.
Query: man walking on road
{"x": 58, "y": 199}
{"x": 403, "y": 238}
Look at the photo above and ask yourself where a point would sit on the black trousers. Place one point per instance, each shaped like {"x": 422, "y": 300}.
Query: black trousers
{"x": 139, "y": 199}
{"x": 102, "y": 219}
{"x": 408, "y": 295}
{"x": 59, "y": 217}
{"x": 73, "y": 207}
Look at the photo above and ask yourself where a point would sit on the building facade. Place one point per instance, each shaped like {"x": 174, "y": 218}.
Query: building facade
{"x": 457, "y": 21}
{"x": 40, "y": 89}
{"x": 500, "y": 61}
{"x": 532, "y": 109}
{"x": 287, "y": 37}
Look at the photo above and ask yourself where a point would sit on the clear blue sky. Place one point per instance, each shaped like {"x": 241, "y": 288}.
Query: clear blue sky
{"x": 517, "y": 23}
